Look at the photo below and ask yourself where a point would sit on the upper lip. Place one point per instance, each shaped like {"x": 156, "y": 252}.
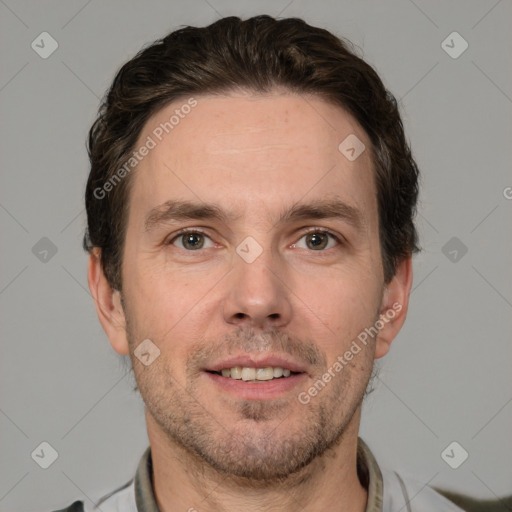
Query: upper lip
{"x": 257, "y": 361}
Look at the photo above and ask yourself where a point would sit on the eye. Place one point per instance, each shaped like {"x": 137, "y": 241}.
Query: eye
{"x": 318, "y": 240}
{"x": 191, "y": 241}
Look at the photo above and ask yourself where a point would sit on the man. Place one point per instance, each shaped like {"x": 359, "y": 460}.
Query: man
{"x": 250, "y": 228}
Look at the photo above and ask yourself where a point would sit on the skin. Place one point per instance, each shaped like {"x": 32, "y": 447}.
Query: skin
{"x": 255, "y": 156}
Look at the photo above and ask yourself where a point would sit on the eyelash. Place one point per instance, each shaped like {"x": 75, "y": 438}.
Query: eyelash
{"x": 322, "y": 231}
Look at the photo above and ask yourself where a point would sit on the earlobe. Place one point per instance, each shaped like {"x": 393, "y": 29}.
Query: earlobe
{"x": 108, "y": 304}
{"x": 394, "y": 307}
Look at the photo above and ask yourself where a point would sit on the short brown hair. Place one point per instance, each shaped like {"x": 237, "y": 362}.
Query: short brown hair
{"x": 257, "y": 54}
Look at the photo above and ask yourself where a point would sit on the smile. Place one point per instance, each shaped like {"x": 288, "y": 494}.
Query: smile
{"x": 250, "y": 374}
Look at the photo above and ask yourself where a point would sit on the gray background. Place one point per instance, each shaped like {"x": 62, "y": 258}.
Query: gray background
{"x": 448, "y": 375}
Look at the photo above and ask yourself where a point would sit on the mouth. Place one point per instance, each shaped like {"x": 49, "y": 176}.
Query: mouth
{"x": 254, "y": 374}
{"x": 252, "y": 378}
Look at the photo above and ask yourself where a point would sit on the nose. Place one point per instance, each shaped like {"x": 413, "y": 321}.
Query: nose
{"x": 257, "y": 294}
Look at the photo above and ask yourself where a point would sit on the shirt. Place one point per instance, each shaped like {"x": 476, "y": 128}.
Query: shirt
{"x": 387, "y": 491}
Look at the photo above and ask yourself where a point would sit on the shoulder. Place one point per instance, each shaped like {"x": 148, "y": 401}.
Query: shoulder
{"x": 416, "y": 496}
{"x": 407, "y": 494}
{"x": 77, "y": 506}
{"x": 121, "y": 499}
{"x": 470, "y": 504}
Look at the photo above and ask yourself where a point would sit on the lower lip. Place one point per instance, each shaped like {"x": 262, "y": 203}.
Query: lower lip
{"x": 264, "y": 390}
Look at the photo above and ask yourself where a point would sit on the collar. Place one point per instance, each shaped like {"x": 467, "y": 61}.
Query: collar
{"x": 367, "y": 469}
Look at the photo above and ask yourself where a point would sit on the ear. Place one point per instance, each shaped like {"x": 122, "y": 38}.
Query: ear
{"x": 108, "y": 304}
{"x": 395, "y": 302}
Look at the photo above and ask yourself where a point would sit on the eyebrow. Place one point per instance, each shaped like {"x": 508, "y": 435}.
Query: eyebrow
{"x": 324, "y": 209}
{"x": 184, "y": 210}
{"x": 175, "y": 210}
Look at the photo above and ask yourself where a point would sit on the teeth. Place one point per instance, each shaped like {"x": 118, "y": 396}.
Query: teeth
{"x": 236, "y": 372}
{"x": 246, "y": 373}
{"x": 278, "y": 372}
{"x": 264, "y": 373}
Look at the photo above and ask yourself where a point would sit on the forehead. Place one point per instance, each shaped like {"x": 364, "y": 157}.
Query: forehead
{"x": 247, "y": 152}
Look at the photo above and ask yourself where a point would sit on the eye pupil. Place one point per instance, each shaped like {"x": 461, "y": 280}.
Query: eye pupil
{"x": 193, "y": 240}
{"x": 317, "y": 240}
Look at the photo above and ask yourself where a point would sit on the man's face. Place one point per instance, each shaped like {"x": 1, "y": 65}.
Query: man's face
{"x": 270, "y": 166}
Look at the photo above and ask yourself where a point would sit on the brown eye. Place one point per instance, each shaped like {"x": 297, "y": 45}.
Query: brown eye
{"x": 191, "y": 241}
{"x": 317, "y": 241}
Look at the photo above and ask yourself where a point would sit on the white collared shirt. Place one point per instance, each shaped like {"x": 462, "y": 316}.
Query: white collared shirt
{"x": 387, "y": 491}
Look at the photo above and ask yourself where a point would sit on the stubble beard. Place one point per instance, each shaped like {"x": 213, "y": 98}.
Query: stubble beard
{"x": 255, "y": 442}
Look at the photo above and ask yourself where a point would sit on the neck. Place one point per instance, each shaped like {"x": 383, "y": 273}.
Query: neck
{"x": 182, "y": 481}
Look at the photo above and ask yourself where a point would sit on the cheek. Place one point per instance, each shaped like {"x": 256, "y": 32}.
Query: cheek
{"x": 340, "y": 306}
{"x": 156, "y": 308}
{"x": 173, "y": 309}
